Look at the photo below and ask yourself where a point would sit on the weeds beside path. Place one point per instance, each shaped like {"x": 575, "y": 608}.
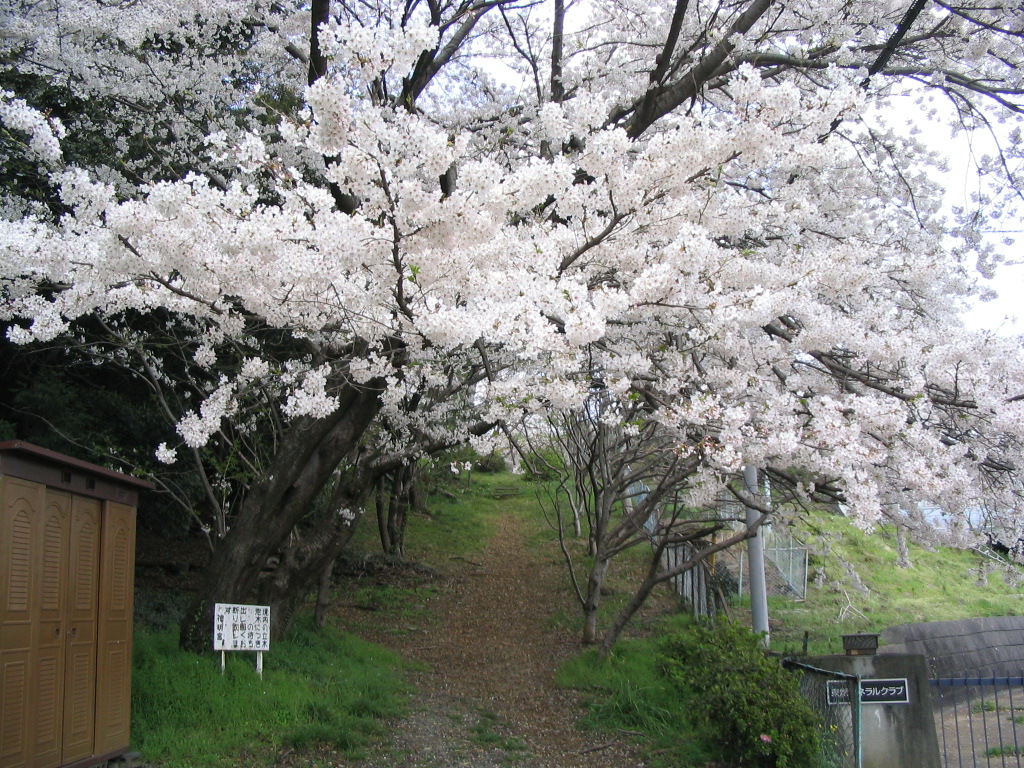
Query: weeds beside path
{"x": 486, "y": 695}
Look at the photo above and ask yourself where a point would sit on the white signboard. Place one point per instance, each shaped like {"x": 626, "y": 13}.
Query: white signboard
{"x": 241, "y": 627}
{"x": 881, "y": 691}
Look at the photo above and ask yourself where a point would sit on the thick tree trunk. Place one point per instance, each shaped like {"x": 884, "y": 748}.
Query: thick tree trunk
{"x": 305, "y": 559}
{"x": 303, "y": 568}
{"x": 308, "y": 454}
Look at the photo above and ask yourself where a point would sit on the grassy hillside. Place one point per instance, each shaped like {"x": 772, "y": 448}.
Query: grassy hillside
{"x": 856, "y": 585}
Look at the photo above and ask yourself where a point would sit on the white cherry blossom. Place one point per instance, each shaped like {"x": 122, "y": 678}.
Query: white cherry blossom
{"x": 764, "y": 265}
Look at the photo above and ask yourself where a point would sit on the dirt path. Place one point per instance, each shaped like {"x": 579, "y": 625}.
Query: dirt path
{"x": 487, "y": 696}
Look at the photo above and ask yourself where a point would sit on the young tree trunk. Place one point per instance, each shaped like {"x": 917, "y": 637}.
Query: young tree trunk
{"x": 417, "y": 498}
{"x": 593, "y": 601}
{"x": 382, "y": 514}
{"x": 308, "y": 454}
{"x": 656, "y": 575}
{"x": 393, "y": 507}
{"x": 396, "y": 515}
{"x": 402, "y": 483}
{"x": 651, "y": 580}
{"x": 903, "y": 558}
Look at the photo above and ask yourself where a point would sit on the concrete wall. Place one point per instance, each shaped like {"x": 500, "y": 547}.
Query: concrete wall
{"x": 967, "y": 648}
{"x": 893, "y": 735}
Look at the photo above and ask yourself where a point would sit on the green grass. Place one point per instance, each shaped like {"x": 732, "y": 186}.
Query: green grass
{"x": 986, "y": 706}
{"x": 318, "y": 688}
{"x": 626, "y": 694}
{"x": 407, "y": 604}
{"x": 1007, "y": 750}
{"x": 461, "y": 519}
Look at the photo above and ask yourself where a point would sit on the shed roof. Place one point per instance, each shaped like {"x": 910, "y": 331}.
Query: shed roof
{"x": 31, "y": 462}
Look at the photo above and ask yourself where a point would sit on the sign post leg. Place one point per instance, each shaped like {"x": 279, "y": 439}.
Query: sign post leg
{"x": 222, "y": 662}
{"x": 259, "y": 664}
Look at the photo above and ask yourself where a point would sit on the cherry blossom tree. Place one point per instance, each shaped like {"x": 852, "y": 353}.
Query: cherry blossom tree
{"x": 619, "y": 477}
{"x": 339, "y": 207}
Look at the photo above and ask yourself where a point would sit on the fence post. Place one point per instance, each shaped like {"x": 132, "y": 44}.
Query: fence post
{"x": 858, "y": 719}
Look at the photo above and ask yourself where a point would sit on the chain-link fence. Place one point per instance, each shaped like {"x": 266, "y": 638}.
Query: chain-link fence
{"x": 835, "y": 698}
{"x": 785, "y": 566}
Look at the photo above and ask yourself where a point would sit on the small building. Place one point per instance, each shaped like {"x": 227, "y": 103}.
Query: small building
{"x": 67, "y": 553}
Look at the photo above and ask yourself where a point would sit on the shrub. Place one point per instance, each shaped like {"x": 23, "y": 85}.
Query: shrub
{"x": 741, "y": 698}
{"x": 542, "y": 466}
{"x": 491, "y": 463}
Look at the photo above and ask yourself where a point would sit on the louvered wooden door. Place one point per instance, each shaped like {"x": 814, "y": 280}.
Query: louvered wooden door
{"x": 114, "y": 644}
{"x": 21, "y": 551}
{"x": 50, "y": 659}
{"x": 80, "y": 632}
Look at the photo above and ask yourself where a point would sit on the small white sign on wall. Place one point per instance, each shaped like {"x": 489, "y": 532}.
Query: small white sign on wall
{"x": 241, "y": 628}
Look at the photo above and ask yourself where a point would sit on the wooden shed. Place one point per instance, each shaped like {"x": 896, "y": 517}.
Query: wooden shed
{"x": 67, "y": 552}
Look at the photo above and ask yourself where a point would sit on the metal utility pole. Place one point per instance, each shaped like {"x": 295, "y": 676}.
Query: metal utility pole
{"x": 755, "y": 554}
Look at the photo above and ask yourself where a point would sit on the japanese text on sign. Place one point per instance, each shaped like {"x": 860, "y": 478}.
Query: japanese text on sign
{"x": 892, "y": 691}
{"x": 241, "y": 627}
